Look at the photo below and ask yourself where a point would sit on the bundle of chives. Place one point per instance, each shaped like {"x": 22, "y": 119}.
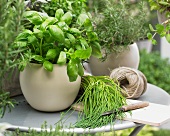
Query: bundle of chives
{"x": 101, "y": 94}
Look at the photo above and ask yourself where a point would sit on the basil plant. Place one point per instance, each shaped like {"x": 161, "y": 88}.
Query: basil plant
{"x": 56, "y": 40}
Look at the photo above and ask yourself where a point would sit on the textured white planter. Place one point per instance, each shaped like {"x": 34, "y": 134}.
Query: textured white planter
{"x": 48, "y": 91}
{"x": 128, "y": 58}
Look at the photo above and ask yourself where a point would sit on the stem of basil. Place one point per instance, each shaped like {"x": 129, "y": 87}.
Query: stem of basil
{"x": 41, "y": 47}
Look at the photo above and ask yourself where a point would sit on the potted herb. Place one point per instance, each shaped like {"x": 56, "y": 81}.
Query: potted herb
{"x": 52, "y": 56}
{"x": 163, "y": 12}
{"x": 160, "y": 75}
{"x": 119, "y": 26}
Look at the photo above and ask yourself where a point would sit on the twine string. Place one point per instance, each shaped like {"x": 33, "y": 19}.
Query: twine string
{"x": 132, "y": 81}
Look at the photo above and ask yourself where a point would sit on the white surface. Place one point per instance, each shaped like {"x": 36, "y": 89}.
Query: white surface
{"x": 154, "y": 114}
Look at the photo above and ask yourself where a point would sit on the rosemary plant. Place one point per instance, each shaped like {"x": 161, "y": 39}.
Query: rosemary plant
{"x": 10, "y": 25}
{"x": 101, "y": 94}
{"x": 120, "y": 24}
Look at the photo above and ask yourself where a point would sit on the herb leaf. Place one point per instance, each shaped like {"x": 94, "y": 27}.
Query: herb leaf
{"x": 57, "y": 33}
{"x": 72, "y": 70}
{"x": 48, "y": 66}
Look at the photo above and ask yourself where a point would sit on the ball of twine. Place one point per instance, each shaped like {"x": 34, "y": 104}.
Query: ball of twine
{"x": 132, "y": 81}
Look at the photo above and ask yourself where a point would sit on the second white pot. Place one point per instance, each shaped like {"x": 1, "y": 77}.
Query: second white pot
{"x": 128, "y": 58}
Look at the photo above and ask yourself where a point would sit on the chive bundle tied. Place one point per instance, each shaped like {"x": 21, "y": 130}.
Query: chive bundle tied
{"x": 101, "y": 94}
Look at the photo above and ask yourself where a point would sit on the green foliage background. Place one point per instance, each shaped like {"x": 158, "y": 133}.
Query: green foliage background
{"x": 156, "y": 69}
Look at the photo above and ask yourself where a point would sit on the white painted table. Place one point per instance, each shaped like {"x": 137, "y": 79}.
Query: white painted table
{"x": 24, "y": 117}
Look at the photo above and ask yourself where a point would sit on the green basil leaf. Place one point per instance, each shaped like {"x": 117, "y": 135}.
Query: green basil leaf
{"x": 67, "y": 18}
{"x": 75, "y": 31}
{"x": 67, "y": 43}
{"x": 92, "y": 36}
{"x": 29, "y": 13}
{"x": 38, "y": 58}
{"x": 88, "y": 25}
{"x": 71, "y": 38}
{"x": 71, "y": 50}
{"x": 32, "y": 39}
{"x": 62, "y": 58}
{"x": 48, "y": 66}
{"x": 24, "y": 35}
{"x": 49, "y": 38}
{"x": 51, "y": 54}
{"x": 57, "y": 33}
{"x": 59, "y": 13}
{"x": 72, "y": 70}
{"x": 63, "y": 25}
{"x": 79, "y": 47}
{"x": 48, "y": 21}
{"x": 82, "y": 18}
{"x": 80, "y": 69}
{"x": 84, "y": 43}
{"x": 83, "y": 54}
{"x": 33, "y": 17}
{"x": 38, "y": 33}
{"x": 96, "y": 49}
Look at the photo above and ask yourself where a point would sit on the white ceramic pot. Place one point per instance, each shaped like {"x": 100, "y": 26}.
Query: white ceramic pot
{"x": 128, "y": 58}
{"x": 48, "y": 91}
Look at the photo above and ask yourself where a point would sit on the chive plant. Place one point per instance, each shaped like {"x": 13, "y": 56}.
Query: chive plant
{"x": 101, "y": 94}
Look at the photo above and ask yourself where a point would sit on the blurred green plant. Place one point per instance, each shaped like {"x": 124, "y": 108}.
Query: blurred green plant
{"x": 10, "y": 25}
{"x": 161, "y": 132}
{"x": 96, "y": 5}
{"x": 146, "y": 131}
{"x": 160, "y": 5}
{"x": 162, "y": 29}
{"x": 156, "y": 69}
